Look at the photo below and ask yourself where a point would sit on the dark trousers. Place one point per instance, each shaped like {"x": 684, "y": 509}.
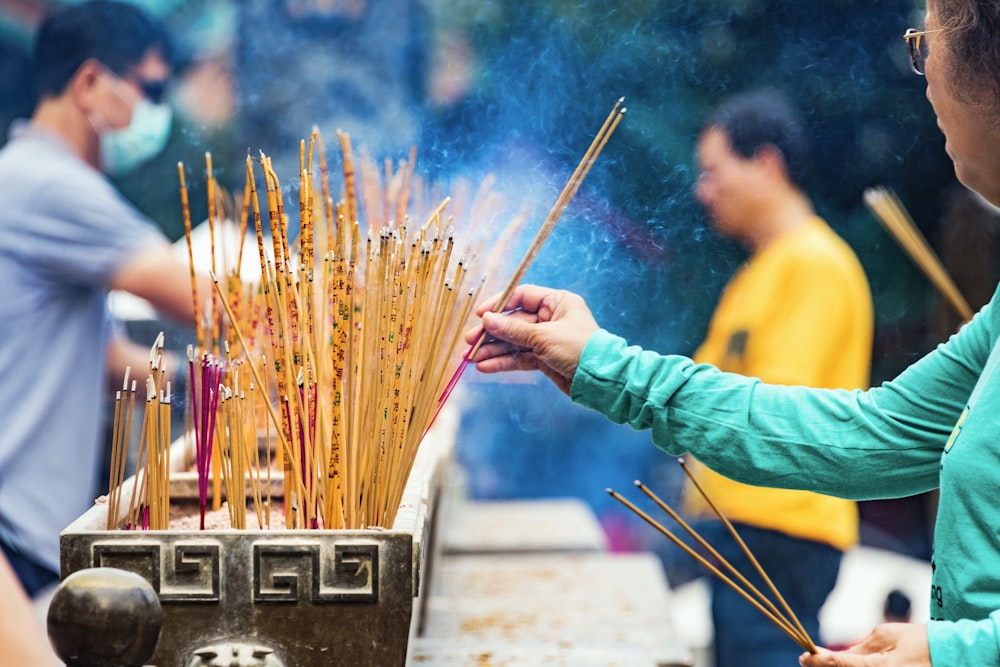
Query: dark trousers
{"x": 33, "y": 576}
{"x": 803, "y": 571}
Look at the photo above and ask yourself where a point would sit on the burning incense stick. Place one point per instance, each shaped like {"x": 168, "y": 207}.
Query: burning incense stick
{"x": 789, "y": 624}
{"x": 890, "y": 212}
{"x": 610, "y": 123}
{"x": 199, "y": 337}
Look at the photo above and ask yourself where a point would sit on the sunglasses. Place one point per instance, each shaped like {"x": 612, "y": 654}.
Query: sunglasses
{"x": 153, "y": 90}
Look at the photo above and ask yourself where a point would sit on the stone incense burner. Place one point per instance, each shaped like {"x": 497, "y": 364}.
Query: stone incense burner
{"x": 278, "y": 597}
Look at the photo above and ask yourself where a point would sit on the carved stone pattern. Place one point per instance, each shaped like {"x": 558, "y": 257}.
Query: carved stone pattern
{"x": 179, "y": 572}
{"x": 235, "y": 655}
{"x": 309, "y": 573}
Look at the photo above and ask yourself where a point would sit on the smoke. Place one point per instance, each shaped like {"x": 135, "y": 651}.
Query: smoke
{"x": 518, "y": 90}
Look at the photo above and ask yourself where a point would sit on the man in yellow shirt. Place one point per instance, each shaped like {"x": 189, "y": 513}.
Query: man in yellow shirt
{"x": 798, "y": 312}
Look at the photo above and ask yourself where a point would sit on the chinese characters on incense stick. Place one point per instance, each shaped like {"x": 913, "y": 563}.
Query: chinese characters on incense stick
{"x": 344, "y": 352}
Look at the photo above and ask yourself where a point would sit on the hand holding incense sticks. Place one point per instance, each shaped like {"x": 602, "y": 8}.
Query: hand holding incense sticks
{"x": 784, "y": 618}
{"x": 610, "y": 123}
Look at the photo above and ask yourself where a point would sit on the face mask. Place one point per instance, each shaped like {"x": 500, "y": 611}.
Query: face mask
{"x": 125, "y": 149}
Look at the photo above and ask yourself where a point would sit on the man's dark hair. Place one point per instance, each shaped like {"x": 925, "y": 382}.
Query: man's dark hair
{"x": 116, "y": 34}
{"x": 754, "y": 120}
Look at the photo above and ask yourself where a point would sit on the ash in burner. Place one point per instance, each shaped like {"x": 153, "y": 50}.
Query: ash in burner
{"x": 185, "y": 517}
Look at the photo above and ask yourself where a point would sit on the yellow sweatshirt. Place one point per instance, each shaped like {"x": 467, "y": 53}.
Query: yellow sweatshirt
{"x": 799, "y": 312}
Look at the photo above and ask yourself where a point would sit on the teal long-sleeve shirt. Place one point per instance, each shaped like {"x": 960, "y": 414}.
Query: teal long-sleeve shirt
{"x": 937, "y": 425}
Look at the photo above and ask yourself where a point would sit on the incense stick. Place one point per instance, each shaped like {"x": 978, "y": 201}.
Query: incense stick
{"x": 119, "y": 448}
{"x": 779, "y": 622}
{"x": 569, "y": 190}
{"x": 729, "y": 566}
{"x": 890, "y": 212}
{"x": 199, "y": 334}
{"x": 746, "y": 550}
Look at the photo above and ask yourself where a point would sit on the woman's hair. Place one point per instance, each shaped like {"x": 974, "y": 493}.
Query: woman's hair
{"x": 973, "y": 59}
{"x": 117, "y": 34}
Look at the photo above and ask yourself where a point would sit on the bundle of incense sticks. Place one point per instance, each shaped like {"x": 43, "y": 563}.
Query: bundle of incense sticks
{"x": 149, "y": 506}
{"x": 341, "y": 354}
{"x": 365, "y": 334}
{"x": 344, "y": 341}
{"x": 784, "y": 617}
{"x": 890, "y": 212}
{"x": 240, "y": 458}
{"x": 205, "y": 386}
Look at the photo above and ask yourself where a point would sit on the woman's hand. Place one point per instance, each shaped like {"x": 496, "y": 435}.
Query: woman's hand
{"x": 888, "y": 645}
{"x": 541, "y": 329}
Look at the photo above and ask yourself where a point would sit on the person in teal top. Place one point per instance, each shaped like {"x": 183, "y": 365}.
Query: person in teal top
{"x": 937, "y": 425}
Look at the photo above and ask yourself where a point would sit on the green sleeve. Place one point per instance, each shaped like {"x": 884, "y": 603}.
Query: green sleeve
{"x": 964, "y": 642}
{"x": 881, "y": 443}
